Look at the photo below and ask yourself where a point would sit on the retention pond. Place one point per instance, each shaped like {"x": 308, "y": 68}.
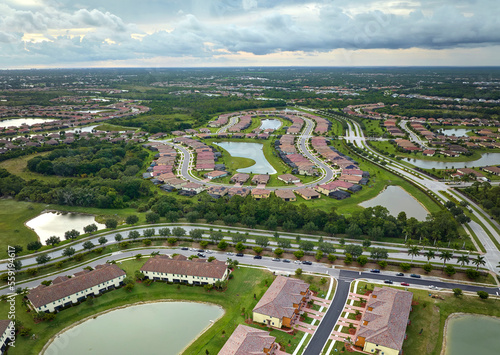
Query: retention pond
{"x": 252, "y": 151}
{"x": 472, "y": 334}
{"x": 165, "y": 328}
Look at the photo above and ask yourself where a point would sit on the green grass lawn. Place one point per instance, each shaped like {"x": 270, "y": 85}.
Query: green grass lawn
{"x": 238, "y": 300}
{"x": 114, "y": 128}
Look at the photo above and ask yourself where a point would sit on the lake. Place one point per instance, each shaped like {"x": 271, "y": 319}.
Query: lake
{"x": 472, "y": 334}
{"x": 18, "y": 122}
{"x": 154, "y": 328}
{"x": 486, "y": 159}
{"x": 48, "y": 224}
{"x": 252, "y": 151}
{"x": 270, "y": 124}
{"x": 457, "y": 132}
{"x": 396, "y": 199}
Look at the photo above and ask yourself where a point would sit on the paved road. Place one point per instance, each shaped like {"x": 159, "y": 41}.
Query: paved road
{"x": 331, "y": 317}
{"x": 356, "y": 136}
{"x": 187, "y": 162}
{"x": 413, "y": 137}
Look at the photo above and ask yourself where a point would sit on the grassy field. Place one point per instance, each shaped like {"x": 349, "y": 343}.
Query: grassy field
{"x": 114, "y": 128}
{"x": 13, "y": 215}
{"x": 18, "y": 166}
{"x": 238, "y": 301}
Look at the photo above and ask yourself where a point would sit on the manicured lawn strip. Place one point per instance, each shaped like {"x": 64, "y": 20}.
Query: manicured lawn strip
{"x": 18, "y": 166}
{"x": 113, "y": 128}
{"x": 239, "y": 295}
{"x": 430, "y": 314}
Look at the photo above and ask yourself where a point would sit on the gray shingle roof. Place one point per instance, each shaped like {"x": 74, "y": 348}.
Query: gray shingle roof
{"x": 246, "y": 340}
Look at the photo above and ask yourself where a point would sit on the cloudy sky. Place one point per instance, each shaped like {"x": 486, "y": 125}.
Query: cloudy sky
{"x": 209, "y": 33}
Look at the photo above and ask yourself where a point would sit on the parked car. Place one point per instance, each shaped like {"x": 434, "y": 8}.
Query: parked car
{"x": 400, "y": 274}
{"x": 201, "y": 250}
{"x": 229, "y": 253}
{"x": 377, "y": 271}
{"x": 388, "y": 282}
{"x": 276, "y": 259}
{"x": 416, "y": 276}
{"x": 239, "y": 254}
{"x": 257, "y": 257}
{"x": 184, "y": 248}
{"x": 297, "y": 261}
{"x": 208, "y": 251}
{"x": 201, "y": 255}
{"x": 305, "y": 262}
{"x": 405, "y": 284}
{"x": 286, "y": 260}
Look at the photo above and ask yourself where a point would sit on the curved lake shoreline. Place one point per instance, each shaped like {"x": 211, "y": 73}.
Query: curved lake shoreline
{"x": 447, "y": 333}
{"x": 47, "y": 350}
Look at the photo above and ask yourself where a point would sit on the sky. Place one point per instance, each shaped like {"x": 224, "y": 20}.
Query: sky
{"x": 240, "y": 33}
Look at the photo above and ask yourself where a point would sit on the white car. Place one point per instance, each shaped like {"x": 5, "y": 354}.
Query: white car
{"x": 298, "y": 262}
{"x": 229, "y": 253}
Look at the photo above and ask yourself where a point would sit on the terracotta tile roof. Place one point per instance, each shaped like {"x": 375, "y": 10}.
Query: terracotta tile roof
{"x": 280, "y": 296}
{"x": 285, "y": 194}
{"x": 388, "y": 319}
{"x": 61, "y": 288}
{"x": 246, "y": 340}
{"x": 177, "y": 266}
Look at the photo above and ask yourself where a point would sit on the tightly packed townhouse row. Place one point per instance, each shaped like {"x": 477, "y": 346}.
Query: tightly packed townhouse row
{"x": 287, "y": 151}
{"x": 322, "y": 125}
{"x": 261, "y": 193}
{"x": 163, "y": 167}
{"x": 67, "y": 116}
{"x": 54, "y": 139}
{"x": 331, "y": 155}
{"x": 205, "y": 155}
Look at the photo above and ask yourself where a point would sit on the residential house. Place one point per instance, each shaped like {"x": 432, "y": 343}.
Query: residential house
{"x": 180, "y": 269}
{"x": 495, "y": 170}
{"x": 215, "y": 174}
{"x": 7, "y": 330}
{"x": 282, "y": 303}
{"x": 240, "y": 191}
{"x": 260, "y": 193}
{"x": 217, "y": 191}
{"x": 66, "y": 291}
{"x": 383, "y": 325}
{"x": 260, "y": 179}
{"x": 339, "y": 194}
{"x": 285, "y": 195}
{"x": 289, "y": 178}
{"x": 308, "y": 193}
{"x": 246, "y": 340}
{"x": 240, "y": 178}
{"x": 194, "y": 187}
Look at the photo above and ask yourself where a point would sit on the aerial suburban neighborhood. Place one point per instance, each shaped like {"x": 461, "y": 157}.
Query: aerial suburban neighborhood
{"x": 249, "y": 177}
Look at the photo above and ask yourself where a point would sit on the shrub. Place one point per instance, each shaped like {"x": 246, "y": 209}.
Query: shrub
{"x": 332, "y": 258}
{"x": 405, "y": 266}
{"x": 450, "y": 270}
{"x": 457, "y": 292}
{"x": 348, "y": 259}
{"x": 362, "y": 260}
{"x": 299, "y": 254}
{"x": 298, "y": 272}
{"x": 427, "y": 267}
{"x": 472, "y": 274}
{"x": 111, "y": 223}
{"x": 483, "y": 294}
{"x": 382, "y": 264}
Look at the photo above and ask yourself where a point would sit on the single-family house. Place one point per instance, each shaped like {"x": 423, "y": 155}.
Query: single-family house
{"x": 215, "y": 174}
{"x": 260, "y": 179}
{"x": 289, "y": 178}
{"x": 308, "y": 193}
{"x": 495, "y": 170}
{"x": 285, "y": 195}
{"x": 240, "y": 178}
{"x": 383, "y": 325}
{"x": 66, "y": 291}
{"x": 260, "y": 193}
{"x": 282, "y": 303}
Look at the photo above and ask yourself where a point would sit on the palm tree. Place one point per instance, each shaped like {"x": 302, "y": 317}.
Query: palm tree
{"x": 413, "y": 251}
{"x": 479, "y": 261}
{"x": 463, "y": 259}
{"x": 430, "y": 254}
{"x": 445, "y": 256}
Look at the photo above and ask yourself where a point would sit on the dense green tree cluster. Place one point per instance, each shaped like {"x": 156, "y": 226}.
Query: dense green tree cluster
{"x": 102, "y": 159}
{"x": 487, "y": 195}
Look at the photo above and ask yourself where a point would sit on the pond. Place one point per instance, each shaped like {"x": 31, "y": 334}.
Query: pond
{"x": 252, "y": 151}
{"x": 396, "y": 199}
{"x": 82, "y": 129}
{"x": 18, "y": 122}
{"x": 486, "y": 159}
{"x": 154, "y": 328}
{"x": 48, "y": 224}
{"x": 457, "y": 132}
{"x": 472, "y": 334}
{"x": 270, "y": 124}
